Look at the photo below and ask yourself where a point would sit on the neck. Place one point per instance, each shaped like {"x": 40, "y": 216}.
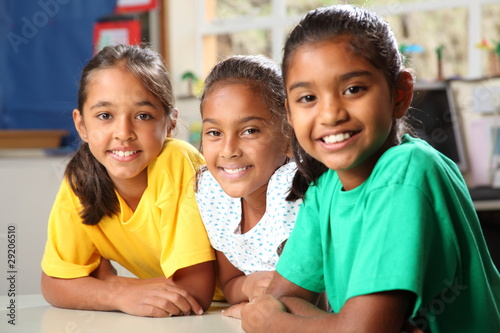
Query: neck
{"x": 356, "y": 176}
{"x": 131, "y": 190}
{"x": 253, "y": 208}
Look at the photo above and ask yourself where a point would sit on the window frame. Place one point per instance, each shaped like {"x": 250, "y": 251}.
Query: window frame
{"x": 278, "y": 23}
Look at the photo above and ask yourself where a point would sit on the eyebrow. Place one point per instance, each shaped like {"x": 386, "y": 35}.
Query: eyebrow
{"x": 343, "y": 78}
{"x": 107, "y": 104}
{"x": 240, "y": 121}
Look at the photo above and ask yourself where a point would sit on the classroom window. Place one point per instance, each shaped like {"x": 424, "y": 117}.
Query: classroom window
{"x": 261, "y": 26}
{"x": 231, "y": 8}
{"x": 449, "y": 36}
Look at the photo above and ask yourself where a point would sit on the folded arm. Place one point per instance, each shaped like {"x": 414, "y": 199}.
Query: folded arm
{"x": 289, "y": 308}
{"x": 190, "y": 290}
{"x": 237, "y": 286}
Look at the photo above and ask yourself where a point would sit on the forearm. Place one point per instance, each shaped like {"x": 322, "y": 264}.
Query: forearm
{"x": 85, "y": 293}
{"x": 198, "y": 280}
{"x": 300, "y": 307}
{"x": 233, "y": 290}
{"x": 287, "y": 322}
{"x": 267, "y": 314}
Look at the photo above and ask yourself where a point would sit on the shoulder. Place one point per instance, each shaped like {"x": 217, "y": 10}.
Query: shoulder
{"x": 65, "y": 196}
{"x": 283, "y": 176}
{"x": 207, "y": 185}
{"x": 280, "y": 185}
{"x": 175, "y": 148}
{"x": 178, "y": 154}
{"x": 210, "y": 193}
{"x": 176, "y": 165}
{"x": 414, "y": 159}
{"x": 66, "y": 204}
{"x": 216, "y": 207}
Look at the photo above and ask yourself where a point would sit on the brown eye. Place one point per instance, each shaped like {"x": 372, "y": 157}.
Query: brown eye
{"x": 214, "y": 133}
{"x": 144, "y": 116}
{"x": 354, "y": 90}
{"x": 104, "y": 116}
{"x": 307, "y": 99}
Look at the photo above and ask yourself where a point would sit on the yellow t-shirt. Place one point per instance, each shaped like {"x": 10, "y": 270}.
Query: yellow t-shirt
{"x": 164, "y": 234}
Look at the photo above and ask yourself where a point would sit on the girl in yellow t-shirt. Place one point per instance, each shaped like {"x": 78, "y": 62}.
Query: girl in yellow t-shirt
{"x": 128, "y": 196}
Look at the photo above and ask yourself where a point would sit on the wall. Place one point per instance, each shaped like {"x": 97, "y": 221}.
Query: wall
{"x": 182, "y": 27}
{"x": 28, "y": 186}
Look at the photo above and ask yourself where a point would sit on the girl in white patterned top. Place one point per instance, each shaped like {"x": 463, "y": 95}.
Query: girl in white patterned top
{"x": 242, "y": 191}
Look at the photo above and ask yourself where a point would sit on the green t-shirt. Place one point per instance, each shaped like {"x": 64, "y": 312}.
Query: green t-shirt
{"x": 410, "y": 226}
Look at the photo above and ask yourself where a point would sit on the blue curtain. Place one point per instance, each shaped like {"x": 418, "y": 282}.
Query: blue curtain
{"x": 44, "y": 45}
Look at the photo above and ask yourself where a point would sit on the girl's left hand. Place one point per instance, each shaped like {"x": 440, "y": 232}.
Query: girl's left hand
{"x": 256, "y": 315}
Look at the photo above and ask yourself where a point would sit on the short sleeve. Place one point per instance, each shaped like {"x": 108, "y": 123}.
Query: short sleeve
{"x": 399, "y": 238}
{"x": 69, "y": 252}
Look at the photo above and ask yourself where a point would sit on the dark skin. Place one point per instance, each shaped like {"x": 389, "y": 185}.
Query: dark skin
{"x": 318, "y": 102}
{"x": 288, "y": 308}
{"x": 157, "y": 297}
{"x": 239, "y": 288}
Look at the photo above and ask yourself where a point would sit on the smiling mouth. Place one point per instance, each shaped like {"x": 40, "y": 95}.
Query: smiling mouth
{"x": 124, "y": 153}
{"x": 234, "y": 171}
{"x": 336, "y": 138}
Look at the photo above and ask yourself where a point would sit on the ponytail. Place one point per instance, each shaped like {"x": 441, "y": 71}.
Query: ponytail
{"x": 90, "y": 181}
{"x": 309, "y": 170}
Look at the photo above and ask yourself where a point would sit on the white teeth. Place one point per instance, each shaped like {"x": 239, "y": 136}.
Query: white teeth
{"x": 124, "y": 153}
{"x": 336, "y": 137}
{"x": 234, "y": 170}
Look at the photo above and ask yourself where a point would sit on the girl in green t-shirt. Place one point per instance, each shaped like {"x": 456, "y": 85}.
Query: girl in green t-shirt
{"x": 387, "y": 226}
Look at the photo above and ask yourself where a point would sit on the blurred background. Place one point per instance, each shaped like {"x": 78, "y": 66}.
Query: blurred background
{"x": 453, "y": 46}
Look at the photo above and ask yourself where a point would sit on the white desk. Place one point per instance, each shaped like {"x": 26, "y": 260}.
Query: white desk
{"x": 33, "y": 314}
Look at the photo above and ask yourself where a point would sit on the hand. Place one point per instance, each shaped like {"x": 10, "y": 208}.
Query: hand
{"x": 256, "y": 284}
{"x": 234, "y": 311}
{"x": 256, "y": 315}
{"x": 156, "y": 300}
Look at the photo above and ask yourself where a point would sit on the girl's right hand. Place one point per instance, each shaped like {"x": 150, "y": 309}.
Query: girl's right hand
{"x": 156, "y": 300}
{"x": 256, "y": 284}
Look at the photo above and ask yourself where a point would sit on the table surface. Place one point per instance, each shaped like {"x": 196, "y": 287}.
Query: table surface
{"x": 33, "y": 314}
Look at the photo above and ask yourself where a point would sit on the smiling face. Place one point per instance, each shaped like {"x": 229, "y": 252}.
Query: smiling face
{"x": 241, "y": 144}
{"x": 341, "y": 108}
{"x": 123, "y": 123}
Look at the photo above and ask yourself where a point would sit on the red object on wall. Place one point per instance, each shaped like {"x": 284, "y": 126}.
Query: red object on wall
{"x": 116, "y": 32}
{"x": 133, "y": 6}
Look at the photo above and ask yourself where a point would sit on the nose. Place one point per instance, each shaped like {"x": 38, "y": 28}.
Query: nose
{"x": 124, "y": 129}
{"x": 332, "y": 112}
{"x": 230, "y": 148}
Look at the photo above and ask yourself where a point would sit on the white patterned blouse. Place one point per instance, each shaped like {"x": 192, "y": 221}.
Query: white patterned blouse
{"x": 255, "y": 250}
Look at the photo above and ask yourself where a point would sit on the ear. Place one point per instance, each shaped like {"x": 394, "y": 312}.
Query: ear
{"x": 288, "y": 114}
{"x": 403, "y": 93}
{"x": 172, "y": 121}
{"x": 80, "y": 125}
